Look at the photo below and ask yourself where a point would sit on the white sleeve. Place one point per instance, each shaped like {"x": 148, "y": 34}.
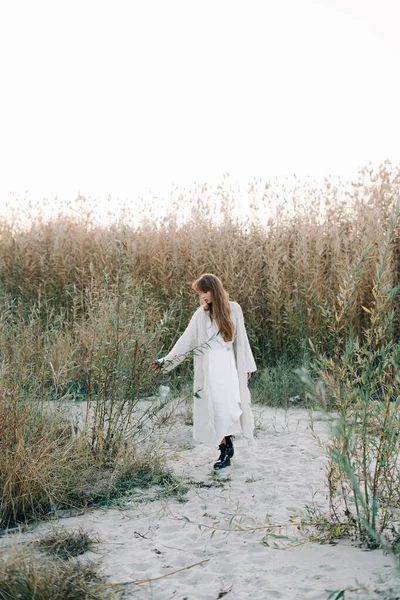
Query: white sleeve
{"x": 243, "y": 341}
{"x": 185, "y": 344}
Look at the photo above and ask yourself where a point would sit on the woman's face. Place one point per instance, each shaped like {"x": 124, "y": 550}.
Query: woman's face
{"x": 206, "y": 297}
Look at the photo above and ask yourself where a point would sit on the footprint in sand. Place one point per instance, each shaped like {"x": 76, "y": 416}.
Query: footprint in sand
{"x": 327, "y": 567}
{"x": 289, "y": 570}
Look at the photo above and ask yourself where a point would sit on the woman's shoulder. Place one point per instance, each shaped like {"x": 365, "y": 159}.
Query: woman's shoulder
{"x": 234, "y": 304}
{"x": 198, "y": 313}
{"x": 235, "y": 307}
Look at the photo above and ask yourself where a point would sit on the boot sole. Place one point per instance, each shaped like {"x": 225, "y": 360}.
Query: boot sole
{"x": 218, "y": 468}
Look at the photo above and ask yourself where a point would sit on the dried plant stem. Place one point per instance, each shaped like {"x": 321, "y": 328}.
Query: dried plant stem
{"x": 140, "y": 581}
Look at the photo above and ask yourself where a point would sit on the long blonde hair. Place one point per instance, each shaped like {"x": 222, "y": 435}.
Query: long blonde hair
{"x": 219, "y": 307}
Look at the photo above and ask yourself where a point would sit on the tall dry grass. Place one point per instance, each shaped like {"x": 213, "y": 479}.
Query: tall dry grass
{"x": 281, "y": 264}
{"x": 49, "y": 356}
{"x": 41, "y": 464}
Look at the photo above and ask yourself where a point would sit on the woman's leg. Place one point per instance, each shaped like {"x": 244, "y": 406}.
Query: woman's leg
{"x": 223, "y": 460}
{"x": 229, "y": 445}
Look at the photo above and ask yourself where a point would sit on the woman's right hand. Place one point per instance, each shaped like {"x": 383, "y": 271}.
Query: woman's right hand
{"x": 155, "y": 366}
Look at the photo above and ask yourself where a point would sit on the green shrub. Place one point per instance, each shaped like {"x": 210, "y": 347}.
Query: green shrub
{"x": 363, "y": 384}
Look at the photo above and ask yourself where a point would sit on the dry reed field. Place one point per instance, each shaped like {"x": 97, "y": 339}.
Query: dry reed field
{"x": 284, "y": 266}
{"x": 85, "y": 307}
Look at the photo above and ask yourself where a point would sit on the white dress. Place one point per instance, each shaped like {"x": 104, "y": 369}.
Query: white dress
{"x": 223, "y": 383}
{"x": 218, "y": 372}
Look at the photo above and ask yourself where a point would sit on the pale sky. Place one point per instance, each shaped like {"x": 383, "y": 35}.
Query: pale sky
{"x": 122, "y": 97}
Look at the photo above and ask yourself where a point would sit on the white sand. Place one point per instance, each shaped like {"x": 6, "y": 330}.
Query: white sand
{"x": 284, "y": 469}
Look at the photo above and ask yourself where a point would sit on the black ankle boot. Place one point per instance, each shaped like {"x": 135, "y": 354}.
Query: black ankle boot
{"x": 230, "y": 450}
{"x": 223, "y": 460}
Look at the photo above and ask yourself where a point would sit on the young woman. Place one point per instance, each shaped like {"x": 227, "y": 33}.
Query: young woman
{"x": 223, "y": 362}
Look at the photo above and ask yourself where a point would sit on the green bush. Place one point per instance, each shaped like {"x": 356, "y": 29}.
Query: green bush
{"x": 362, "y": 384}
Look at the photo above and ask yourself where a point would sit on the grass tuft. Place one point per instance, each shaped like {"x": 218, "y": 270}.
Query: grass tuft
{"x": 26, "y": 577}
{"x": 66, "y": 544}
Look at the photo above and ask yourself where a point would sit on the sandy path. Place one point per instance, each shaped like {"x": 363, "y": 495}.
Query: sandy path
{"x": 284, "y": 469}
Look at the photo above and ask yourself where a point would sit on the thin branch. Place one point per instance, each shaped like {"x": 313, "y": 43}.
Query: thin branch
{"x": 139, "y": 581}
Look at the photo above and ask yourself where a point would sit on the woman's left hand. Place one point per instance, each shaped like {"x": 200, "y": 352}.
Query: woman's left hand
{"x": 248, "y": 375}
